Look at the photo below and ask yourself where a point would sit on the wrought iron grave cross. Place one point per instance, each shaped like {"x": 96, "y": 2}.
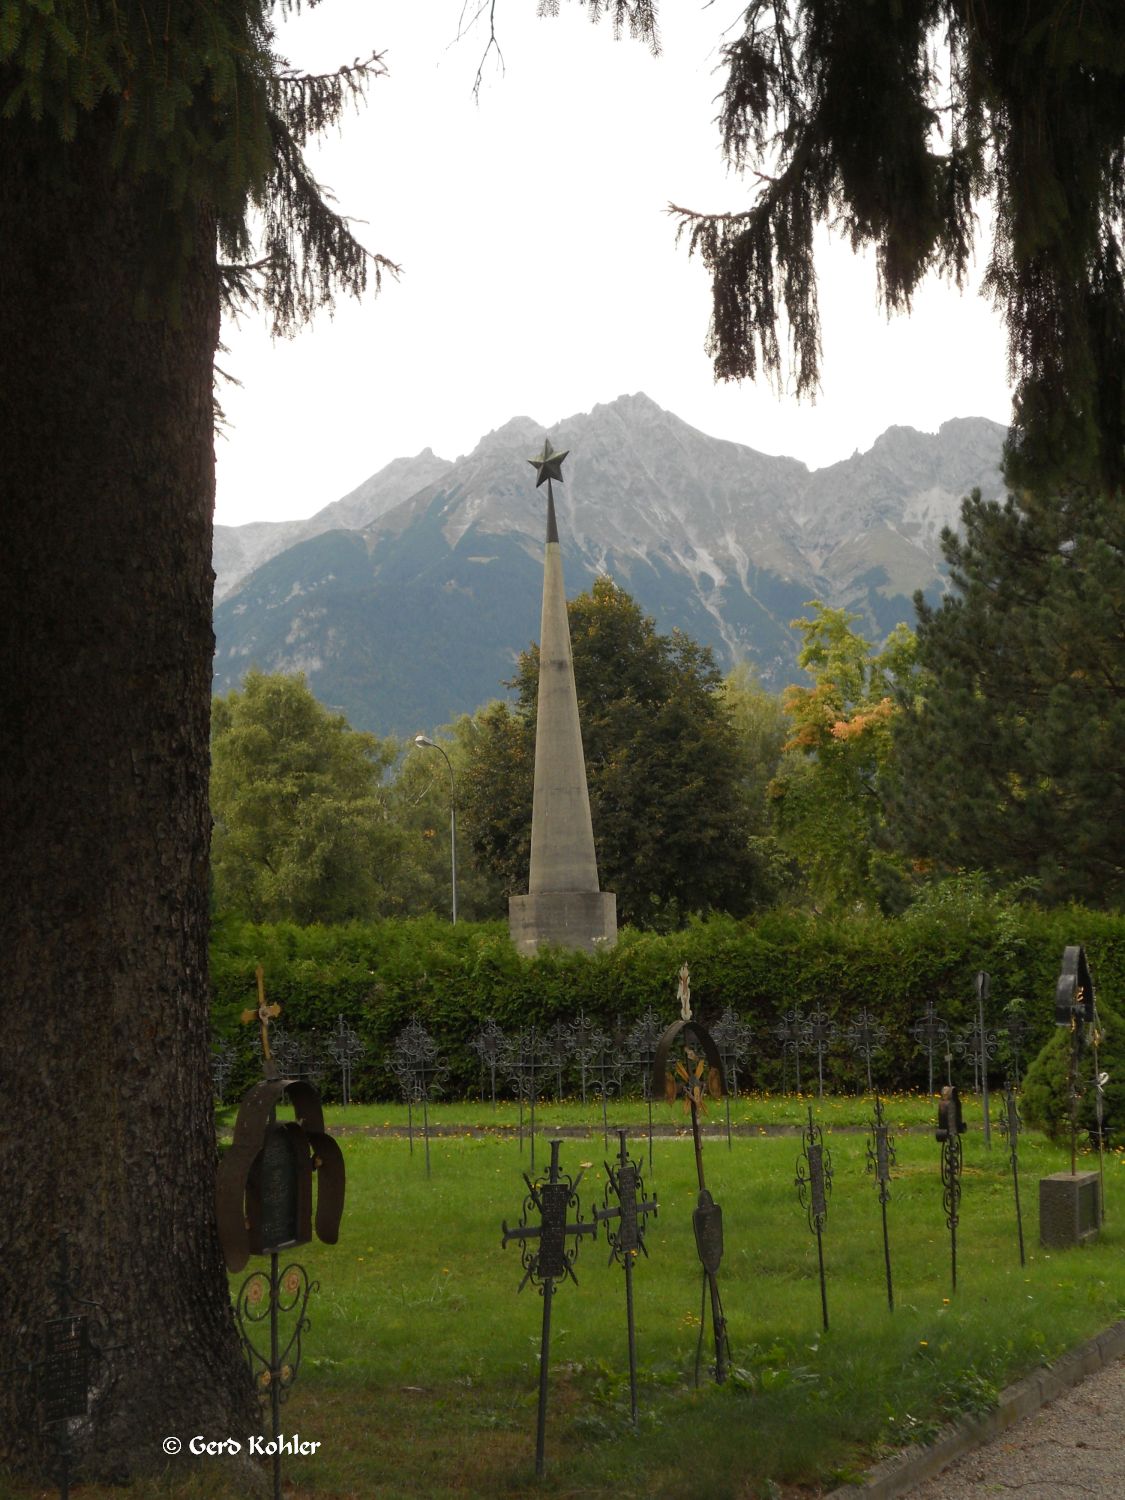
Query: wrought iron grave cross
{"x": 627, "y": 1237}
{"x": 546, "y": 1256}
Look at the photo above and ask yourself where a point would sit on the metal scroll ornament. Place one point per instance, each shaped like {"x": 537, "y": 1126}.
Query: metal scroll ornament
{"x": 814, "y": 1187}
{"x": 880, "y": 1160}
{"x": 625, "y": 1203}
{"x": 271, "y": 1309}
{"x": 548, "y": 1251}
{"x": 951, "y": 1127}
{"x": 687, "y": 1065}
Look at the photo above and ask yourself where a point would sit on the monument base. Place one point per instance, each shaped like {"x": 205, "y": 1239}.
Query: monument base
{"x": 1069, "y": 1209}
{"x": 583, "y": 920}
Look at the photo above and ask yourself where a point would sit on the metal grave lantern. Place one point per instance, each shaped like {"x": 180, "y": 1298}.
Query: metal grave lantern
{"x": 626, "y": 1203}
{"x": 950, "y": 1129}
{"x": 687, "y": 1065}
{"x": 1070, "y": 1207}
{"x": 549, "y": 1250}
{"x": 264, "y": 1203}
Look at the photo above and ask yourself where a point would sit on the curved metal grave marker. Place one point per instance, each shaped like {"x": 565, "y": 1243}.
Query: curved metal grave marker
{"x": 548, "y": 1251}
{"x": 950, "y": 1129}
{"x": 880, "y": 1160}
{"x": 688, "y": 1065}
{"x": 625, "y": 1201}
{"x": 814, "y": 1187}
{"x": 263, "y": 1200}
{"x": 732, "y": 1037}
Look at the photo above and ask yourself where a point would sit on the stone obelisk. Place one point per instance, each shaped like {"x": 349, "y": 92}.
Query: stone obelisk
{"x": 564, "y": 905}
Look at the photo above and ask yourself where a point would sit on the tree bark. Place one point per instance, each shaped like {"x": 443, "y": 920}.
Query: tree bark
{"x": 106, "y": 499}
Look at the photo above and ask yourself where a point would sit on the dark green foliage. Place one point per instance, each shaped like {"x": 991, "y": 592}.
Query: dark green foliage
{"x": 203, "y": 112}
{"x": 1009, "y": 743}
{"x": 452, "y": 979}
{"x": 663, "y": 764}
{"x": 842, "y": 115}
{"x": 1046, "y": 1089}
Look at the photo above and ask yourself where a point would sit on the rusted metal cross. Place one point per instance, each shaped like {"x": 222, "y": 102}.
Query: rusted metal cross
{"x": 264, "y": 1014}
{"x": 627, "y": 1238}
{"x": 546, "y": 1256}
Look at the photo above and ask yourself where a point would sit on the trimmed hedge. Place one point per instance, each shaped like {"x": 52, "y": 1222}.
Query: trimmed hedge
{"x": 380, "y": 975}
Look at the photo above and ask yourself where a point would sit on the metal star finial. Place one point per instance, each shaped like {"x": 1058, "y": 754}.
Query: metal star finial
{"x": 548, "y": 463}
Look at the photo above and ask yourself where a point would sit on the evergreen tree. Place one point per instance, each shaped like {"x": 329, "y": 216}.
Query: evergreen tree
{"x": 1009, "y": 742}
{"x": 135, "y": 142}
{"x": 889, "y": 120}
{"x": 663, "y": 765}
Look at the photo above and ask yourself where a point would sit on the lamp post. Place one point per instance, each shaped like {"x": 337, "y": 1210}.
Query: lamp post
{"x": 425, "y": 743}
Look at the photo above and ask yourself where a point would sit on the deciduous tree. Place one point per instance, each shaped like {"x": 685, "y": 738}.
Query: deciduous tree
{"x": 663, "y": 765}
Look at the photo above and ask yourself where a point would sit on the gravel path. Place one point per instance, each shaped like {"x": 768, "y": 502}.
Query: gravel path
{"x": 1073, "y": 1447}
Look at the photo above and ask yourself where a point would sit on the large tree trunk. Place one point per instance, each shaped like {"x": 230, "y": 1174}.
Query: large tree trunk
{"x": 106, "y": 497}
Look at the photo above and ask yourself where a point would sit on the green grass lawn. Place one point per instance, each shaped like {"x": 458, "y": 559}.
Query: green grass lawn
{"x": 420, "y": 1365}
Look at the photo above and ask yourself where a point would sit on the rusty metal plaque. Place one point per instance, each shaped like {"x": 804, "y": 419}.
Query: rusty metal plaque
{"x": 552, "y": 1241}
{"x": 627, "y": 1237}
{"x": 65, "y": 1374}
{"x": 707, "y": 1221}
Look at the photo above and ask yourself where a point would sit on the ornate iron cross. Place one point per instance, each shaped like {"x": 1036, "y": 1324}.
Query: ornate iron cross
{"x": 640, "y": 1048}
{"x": 489, "y": 1044}
{"x": 789, "y": 1032}
{"x": 865, "y": 1034}
{"x": 732, "y": 1037}
{"x": 819, "y": 1032}
{"x": 421, "y": 1074}
{"x": 627, "y": 1237}
{"x": 814, "y": 1187}
{"x": 880, "y": 1160}
{"x": 930, "y": 1033}
{"x": 1010, "y": 1127}
{"x": 951, "y": 1127}
{"x": 548, "y": 1251}
{"x": 345, "y": 1048}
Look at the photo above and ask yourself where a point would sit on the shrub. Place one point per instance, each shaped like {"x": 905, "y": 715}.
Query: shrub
{"x": 1046, "y": 1089}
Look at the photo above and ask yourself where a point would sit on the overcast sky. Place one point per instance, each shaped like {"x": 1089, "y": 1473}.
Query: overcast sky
{"x": 540, "y": 269}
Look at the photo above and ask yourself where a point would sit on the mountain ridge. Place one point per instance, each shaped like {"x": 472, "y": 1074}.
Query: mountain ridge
{"x": 711, "y": 536}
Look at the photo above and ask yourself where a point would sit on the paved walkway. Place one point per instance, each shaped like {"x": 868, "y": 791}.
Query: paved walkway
{"x": 1074, "y": 1446}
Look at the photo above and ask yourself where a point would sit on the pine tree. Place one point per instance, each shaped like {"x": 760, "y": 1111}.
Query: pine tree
{"x": 889, "y": 120}
{"x": 1010, "y": 738}
{"x": 136, "y": 143}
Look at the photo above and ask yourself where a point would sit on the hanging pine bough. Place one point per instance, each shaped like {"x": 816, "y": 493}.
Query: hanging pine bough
{"x": 203, "y": 113}
{"x": 1027, "y": 108}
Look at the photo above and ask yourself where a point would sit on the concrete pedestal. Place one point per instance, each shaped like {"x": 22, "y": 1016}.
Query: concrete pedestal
{"x": 1069, "y": 1209}
{"x": 567, "y": 919}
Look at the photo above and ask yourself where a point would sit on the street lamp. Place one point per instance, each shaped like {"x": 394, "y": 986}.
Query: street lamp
{"x": 425, "y": 743}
